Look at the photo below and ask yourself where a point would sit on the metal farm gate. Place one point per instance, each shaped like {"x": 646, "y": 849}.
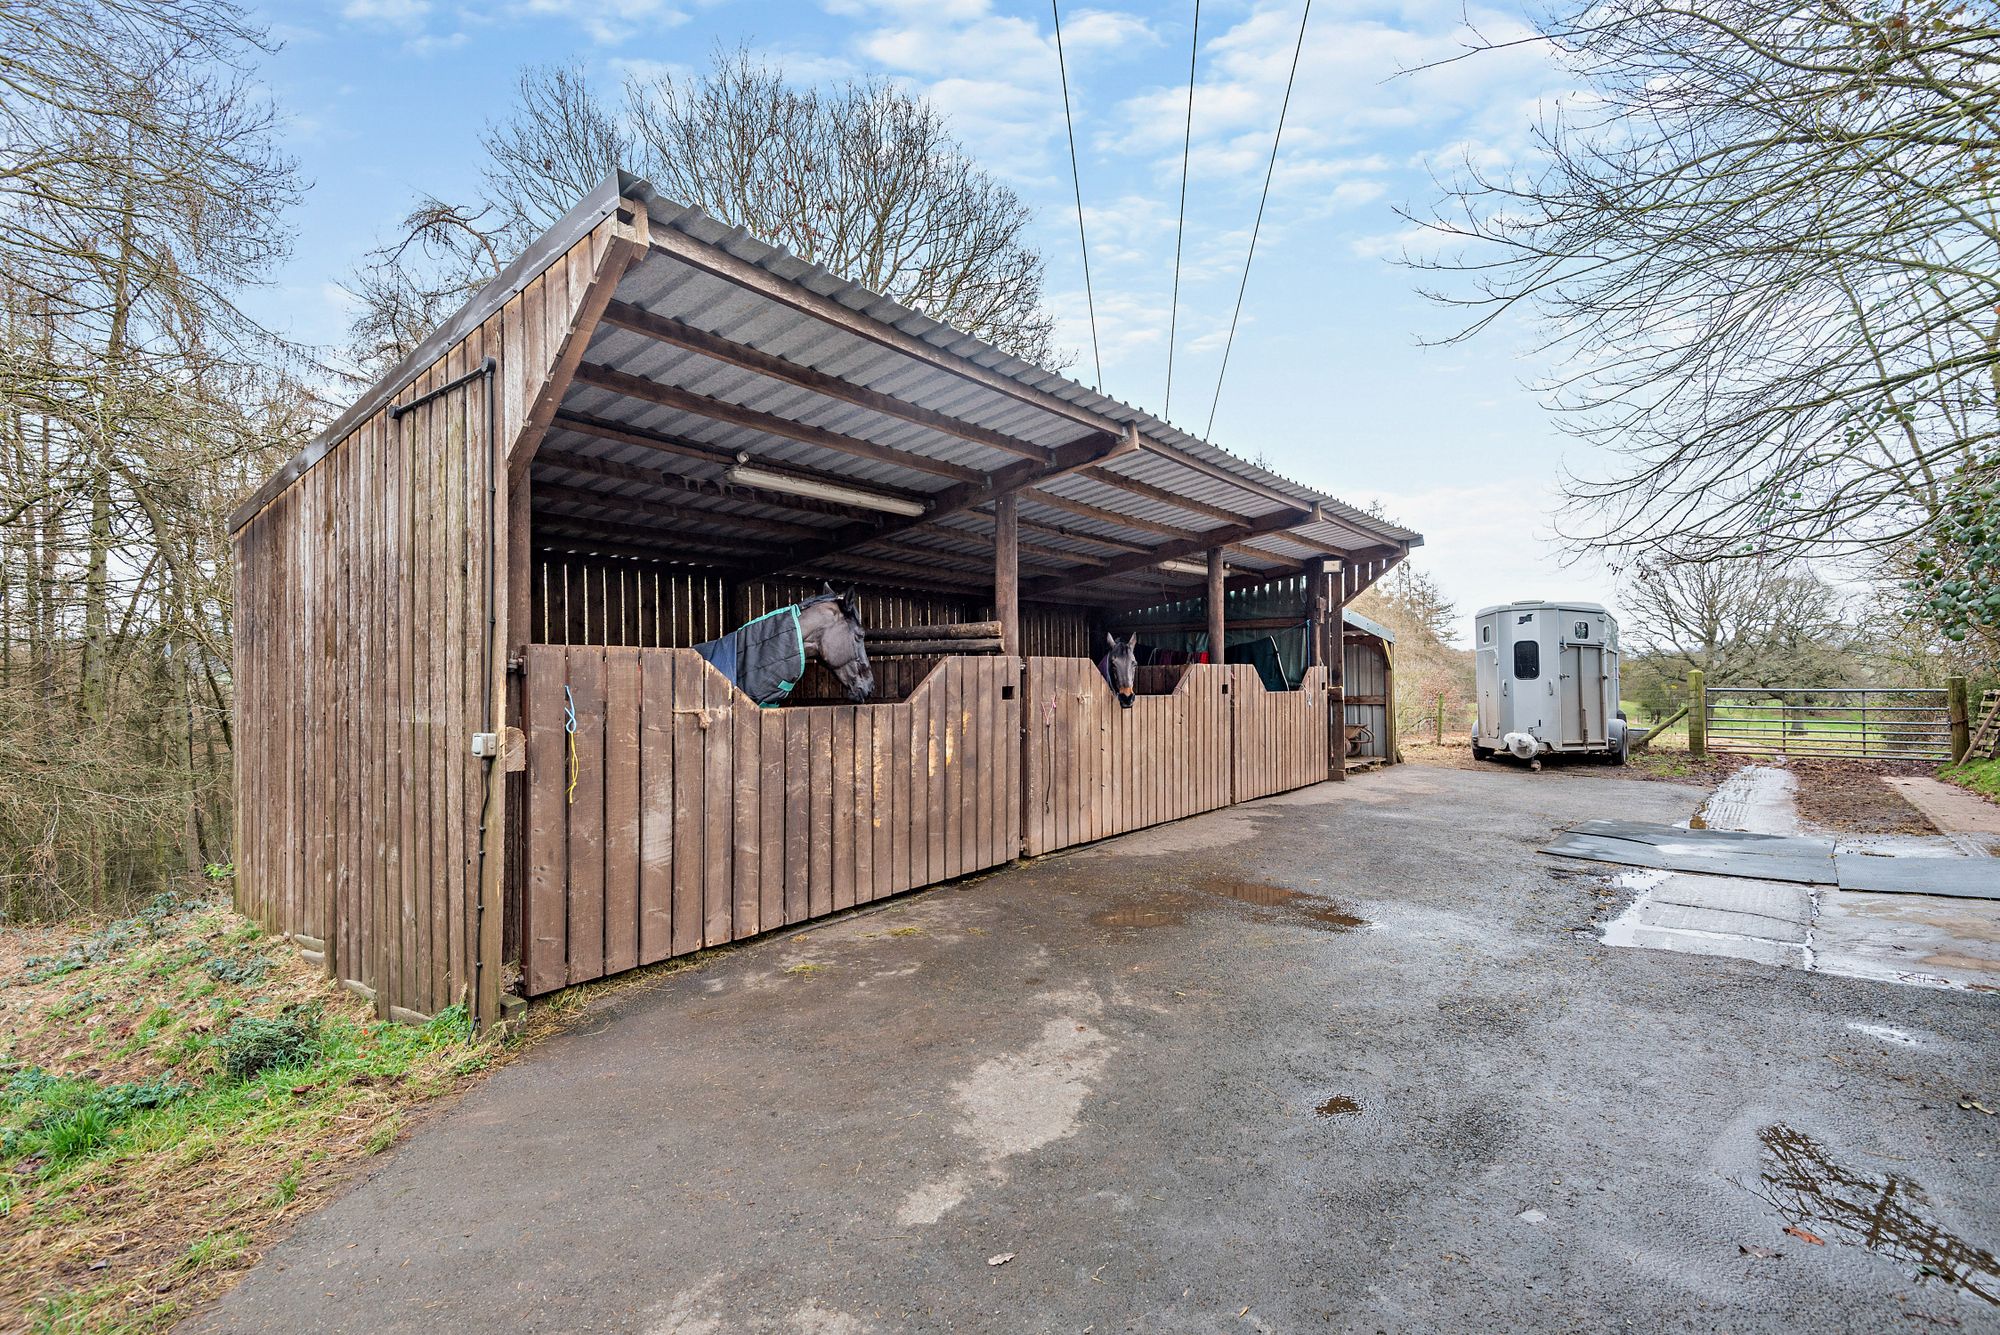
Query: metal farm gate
{"x": 1854, "y": 723}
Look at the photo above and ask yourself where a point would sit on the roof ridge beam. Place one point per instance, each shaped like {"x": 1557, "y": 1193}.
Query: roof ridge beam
{"x": 680, "y": 334}
{"x": 722, "y": 410}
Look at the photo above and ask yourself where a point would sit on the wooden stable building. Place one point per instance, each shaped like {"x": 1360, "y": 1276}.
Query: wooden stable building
{"x": 475, "y": 758}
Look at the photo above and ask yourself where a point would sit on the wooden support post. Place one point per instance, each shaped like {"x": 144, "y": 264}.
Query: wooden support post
{"x": 1327, "y": 594}
{"x": 1440, "y": 718}
{"x": 520, "y": 558}
{"x": 1960, "y": 718}
{"x": 1392, "y": 750}
{"x": 1218, "y": 601}
{"x": 1007, "y": 570}
{"x": 1697, "y": 715}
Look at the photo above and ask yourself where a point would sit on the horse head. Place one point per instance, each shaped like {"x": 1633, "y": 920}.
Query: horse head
{"x": 832, "y": 628}
{"x": 1121, "y": 665}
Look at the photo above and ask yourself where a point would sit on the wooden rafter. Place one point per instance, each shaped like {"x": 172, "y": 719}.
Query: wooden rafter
{"x": 1179, "y": 502}
{"x": 680, "y": 334}
{"x": 1175, "y": 550}
{"x": 681, "y": 487}
{"x": 722, "y": 410}
{"x": 719, "y": 263}
{"x": 633, "y": 539}
{"x": 669, "y": 521}
{"x": 661, "y": 442}
{"x": 971, "y": 495}
{"x": 1077, "y": 535}
{"x": 1085, "y": 510}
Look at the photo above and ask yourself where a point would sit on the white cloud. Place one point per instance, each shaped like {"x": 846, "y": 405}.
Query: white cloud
{"x": 610, "y": 22}
{"x": 393, "y": 13}
{"x": 1493, "y": 541}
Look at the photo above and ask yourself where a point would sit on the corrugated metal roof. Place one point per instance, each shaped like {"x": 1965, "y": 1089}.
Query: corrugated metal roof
{"x": 730, "y": 286}
{"x": 810, "y": 347}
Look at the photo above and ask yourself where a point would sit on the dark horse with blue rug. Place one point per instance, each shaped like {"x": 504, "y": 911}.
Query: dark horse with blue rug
{"x": 767, "y": 657}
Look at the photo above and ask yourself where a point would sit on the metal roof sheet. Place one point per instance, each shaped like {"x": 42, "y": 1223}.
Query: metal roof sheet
{"x": 930, "y": 456}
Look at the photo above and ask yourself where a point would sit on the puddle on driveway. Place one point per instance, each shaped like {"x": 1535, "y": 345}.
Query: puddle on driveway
{"x": 1319, "y": 911}
{"x": 1888, "y": 1215}
{"x": 1332, "y": 916}
{"x": 1137, "y": 915}
{"x": 1340, "y": 1105}
{"x": 1248, "y": 892}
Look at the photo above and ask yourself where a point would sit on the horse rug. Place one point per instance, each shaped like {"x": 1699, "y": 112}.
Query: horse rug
{"x": 764, "y": 658}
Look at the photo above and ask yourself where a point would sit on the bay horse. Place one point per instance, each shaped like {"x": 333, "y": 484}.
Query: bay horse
{"x": 1121, "y": 665}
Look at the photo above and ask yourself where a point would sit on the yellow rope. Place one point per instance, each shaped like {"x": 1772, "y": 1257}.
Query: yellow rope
{"x": 569, "y": 729}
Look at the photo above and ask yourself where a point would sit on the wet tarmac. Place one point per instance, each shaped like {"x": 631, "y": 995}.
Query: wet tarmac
{"x": 1925, "y": 940}
{"x": 1149, "y": 1074}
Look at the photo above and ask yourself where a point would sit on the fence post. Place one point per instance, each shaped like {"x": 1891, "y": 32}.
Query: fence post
{"x": 1440, "y": 718}
{"x": 1697, "y": 715}
{"x": 1961, "y": 719}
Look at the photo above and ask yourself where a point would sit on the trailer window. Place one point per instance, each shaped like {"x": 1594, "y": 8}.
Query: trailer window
{"x": 1527, "y": 660}
{"x": 1486, "y": 634}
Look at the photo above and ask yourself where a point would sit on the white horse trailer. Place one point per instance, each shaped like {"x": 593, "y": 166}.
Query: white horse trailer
{"x": 1548, "y": 682}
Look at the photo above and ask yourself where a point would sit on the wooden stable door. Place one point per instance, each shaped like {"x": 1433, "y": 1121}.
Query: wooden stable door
{"x": 667, "y": 813}
{"x": 1095, "y": 769}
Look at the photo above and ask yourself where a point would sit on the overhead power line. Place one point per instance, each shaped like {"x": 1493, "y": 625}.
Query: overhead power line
{"x": 1258, "y": 226}
{"x": 1076, "y": 181}
{"x": 1180, "y": 224}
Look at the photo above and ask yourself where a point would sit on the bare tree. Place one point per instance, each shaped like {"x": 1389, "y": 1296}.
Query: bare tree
{"x": 1752, "y": 621}
{"x": 1409, "y": 602}
{"x": 140, "y": 192}
{"x": 1764, "y": 246}
{"x": 864, "y": 179}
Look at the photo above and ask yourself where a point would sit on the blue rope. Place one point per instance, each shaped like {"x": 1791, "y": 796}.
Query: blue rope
{"x": 569, "y": 727}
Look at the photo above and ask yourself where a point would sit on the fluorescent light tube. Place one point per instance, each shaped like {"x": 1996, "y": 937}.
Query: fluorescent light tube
{"x": 745, "y": 475}
{"x": 1184, "y": 567}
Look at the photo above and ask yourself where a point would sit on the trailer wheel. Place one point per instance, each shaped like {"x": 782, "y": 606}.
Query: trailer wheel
{"x": 1481, "y": 752}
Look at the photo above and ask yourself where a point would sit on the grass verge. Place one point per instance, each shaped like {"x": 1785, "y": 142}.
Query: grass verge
{"x": 174, "y": 1088}
{"x": 1979, "y": 776}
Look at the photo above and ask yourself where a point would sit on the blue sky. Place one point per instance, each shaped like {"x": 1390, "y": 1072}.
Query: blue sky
{"x": 384, "y": 101}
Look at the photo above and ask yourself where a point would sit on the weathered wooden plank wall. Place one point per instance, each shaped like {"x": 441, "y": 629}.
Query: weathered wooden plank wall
{"x": 1094, "y": 770}
{"x": 1280, "y": 736}
{"x": 363, "y": 665}
{"x": 686, "y": 817}
{"x": 592, "y": 598}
